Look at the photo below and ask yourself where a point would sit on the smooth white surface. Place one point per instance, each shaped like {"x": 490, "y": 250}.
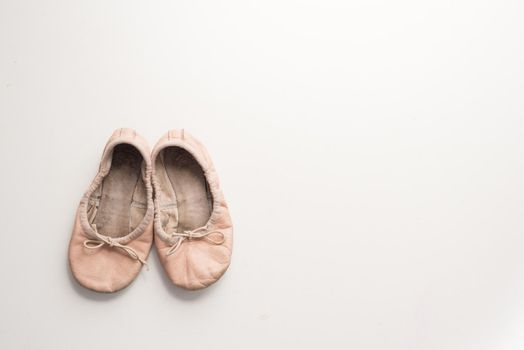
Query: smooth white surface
{"x": 371, "y": 153}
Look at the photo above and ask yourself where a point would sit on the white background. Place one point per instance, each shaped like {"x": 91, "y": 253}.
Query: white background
{"x": 371, "y": 153}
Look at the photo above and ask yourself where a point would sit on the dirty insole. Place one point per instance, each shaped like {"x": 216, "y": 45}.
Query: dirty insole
{"x": 190, "y": 186}
{"x": 118, "y": 186}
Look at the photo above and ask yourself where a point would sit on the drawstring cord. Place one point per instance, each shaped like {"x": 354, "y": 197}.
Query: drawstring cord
{"x": 101, "y": 240}
{"x": 198, "y": 233}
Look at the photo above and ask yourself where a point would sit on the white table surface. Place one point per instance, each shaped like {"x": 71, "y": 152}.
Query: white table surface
{"x": 372, "y": 154}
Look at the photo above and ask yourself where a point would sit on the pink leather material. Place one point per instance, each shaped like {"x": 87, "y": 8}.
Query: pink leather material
{"x": 106, "y": 269}
{"x": 109, "y": 269}
{"x": 196, "y": 263}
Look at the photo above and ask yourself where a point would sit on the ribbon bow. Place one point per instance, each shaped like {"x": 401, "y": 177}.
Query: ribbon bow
{"x": 198, "y": 233}
{"x": 101, "y": 240}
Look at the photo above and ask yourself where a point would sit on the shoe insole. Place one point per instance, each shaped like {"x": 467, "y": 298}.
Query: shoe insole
{"x": 118, "y": 187}
{"x": 191, "y": 189}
